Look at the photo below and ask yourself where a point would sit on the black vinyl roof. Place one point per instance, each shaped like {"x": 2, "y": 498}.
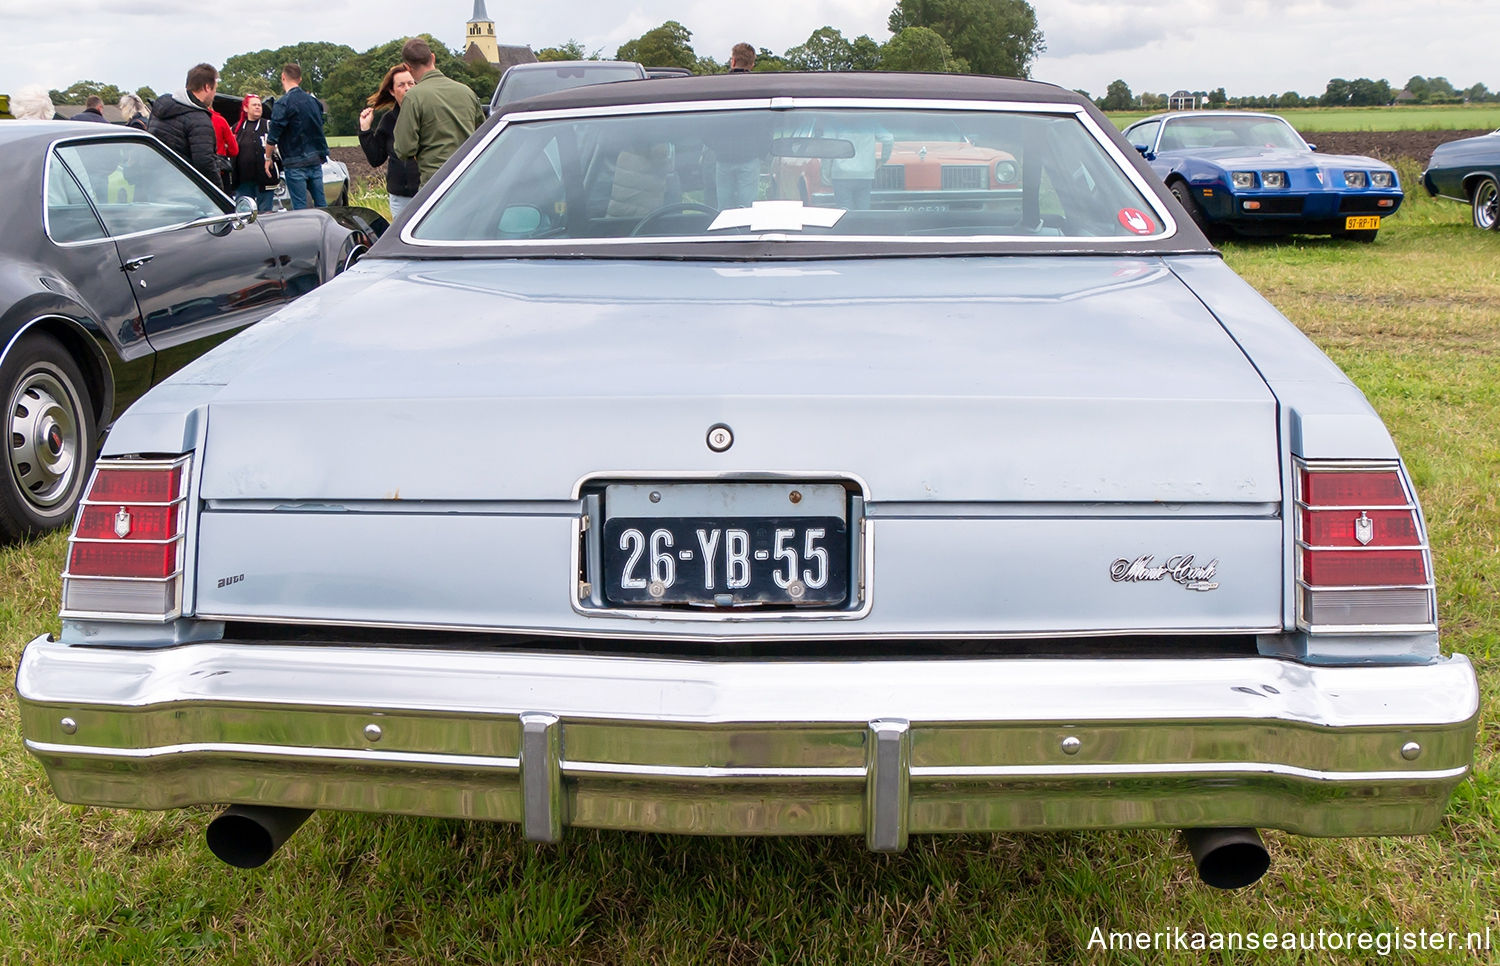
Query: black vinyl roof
{"x": 883, "y": 84}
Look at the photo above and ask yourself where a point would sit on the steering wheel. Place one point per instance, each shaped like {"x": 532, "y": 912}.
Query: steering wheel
{"x": 675, "y": 208}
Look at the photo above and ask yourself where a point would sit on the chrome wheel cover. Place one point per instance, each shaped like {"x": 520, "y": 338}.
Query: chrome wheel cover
{"x": 1486, "y": 205}
{"x": 45, "y": 437}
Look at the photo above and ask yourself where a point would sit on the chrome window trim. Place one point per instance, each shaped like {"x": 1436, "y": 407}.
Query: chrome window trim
{"x": 1126, "y": 167}
{"x": 215, "y": 193}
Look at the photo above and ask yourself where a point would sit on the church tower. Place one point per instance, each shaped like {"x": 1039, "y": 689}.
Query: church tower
{"x": 482, "y": 34}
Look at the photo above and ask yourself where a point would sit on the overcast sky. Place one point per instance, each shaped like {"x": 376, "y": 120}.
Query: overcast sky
{"x": 1245, "y": 46}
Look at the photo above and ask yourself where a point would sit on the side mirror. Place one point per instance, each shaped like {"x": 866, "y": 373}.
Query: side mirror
{"x": 1312, "y": 147}
{"x": 1145, "y": 151}
{"x": 245, "y": 209}
{"x": 520, "y": 220}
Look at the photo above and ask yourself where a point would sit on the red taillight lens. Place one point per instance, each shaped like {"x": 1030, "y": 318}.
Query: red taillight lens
{"x": 139, "y": 522}
{"x": 1361, "y": 552}
{"x": 113, "y": 484}
{"x": 1343, "y": 528}
{"x": 1356, "y": 488}
{"x": 1364, "y": 568}
{"x": 122, "y": 559}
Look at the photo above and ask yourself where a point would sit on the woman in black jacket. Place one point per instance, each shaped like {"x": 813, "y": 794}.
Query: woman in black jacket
{"x": 401, "y": 179}
{"x": 250, "y": 178}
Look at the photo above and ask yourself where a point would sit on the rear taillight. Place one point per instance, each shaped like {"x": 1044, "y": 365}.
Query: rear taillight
{"x": 125, "y": 557}
{"x": 1362, "y": 557}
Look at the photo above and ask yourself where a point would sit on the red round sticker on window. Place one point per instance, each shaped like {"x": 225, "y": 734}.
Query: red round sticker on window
{"x": 1137, "y": 221}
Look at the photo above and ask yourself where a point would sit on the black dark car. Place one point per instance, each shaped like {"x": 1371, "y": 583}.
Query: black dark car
{"x": 1468, "y": 171}
{"x": 119, "y": 264}
{"x": 529, "y": 80}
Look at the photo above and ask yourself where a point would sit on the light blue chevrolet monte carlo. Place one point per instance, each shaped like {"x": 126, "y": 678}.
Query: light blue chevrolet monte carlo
{"x": 623, "y": 486}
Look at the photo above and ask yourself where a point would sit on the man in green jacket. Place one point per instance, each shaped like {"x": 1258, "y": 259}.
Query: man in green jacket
{"x": 438, "y": 114}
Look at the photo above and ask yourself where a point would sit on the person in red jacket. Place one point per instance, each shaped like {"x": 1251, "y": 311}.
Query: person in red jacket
{"x": 226, "y": 146}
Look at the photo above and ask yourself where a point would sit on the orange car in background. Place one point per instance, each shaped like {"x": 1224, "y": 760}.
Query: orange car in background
{"x": 935, "y": 168}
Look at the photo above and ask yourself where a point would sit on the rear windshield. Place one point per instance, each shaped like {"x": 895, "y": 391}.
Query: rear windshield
{"x": 795, "y": 174}
{"x": 518, "y": 85}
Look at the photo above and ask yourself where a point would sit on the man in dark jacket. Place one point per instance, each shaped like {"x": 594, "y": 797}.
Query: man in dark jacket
{"x": 181, "y": 121}
{"x": 297, "y": 132}
{"x": 93, "y": 110}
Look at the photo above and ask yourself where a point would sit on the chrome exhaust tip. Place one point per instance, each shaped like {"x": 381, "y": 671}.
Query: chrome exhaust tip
{"x": 246, "y": 836}
{"x": 1227, "y": 858}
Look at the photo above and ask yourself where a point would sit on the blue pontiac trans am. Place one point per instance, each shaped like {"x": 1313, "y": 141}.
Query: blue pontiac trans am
{"x": 1254, "y": 174}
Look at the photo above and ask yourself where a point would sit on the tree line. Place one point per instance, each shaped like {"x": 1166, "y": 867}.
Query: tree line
{"x": 1339, "y": 92}
{"x": 947, "y": 36}
{"x": 953, "y": 36}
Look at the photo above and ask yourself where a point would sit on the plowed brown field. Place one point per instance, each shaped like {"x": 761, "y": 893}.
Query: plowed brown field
{"x": 1388, "y": 146}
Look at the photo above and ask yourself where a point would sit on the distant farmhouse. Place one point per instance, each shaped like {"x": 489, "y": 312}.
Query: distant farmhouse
{"x": 1181, "y": 101}
{"x": 480, "y": 45}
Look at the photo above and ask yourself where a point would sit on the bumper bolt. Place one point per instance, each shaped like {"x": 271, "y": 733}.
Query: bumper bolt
{"x": 1071, "y": 745}
{"x": 68, "y": 725}
{"x": 373, "y": 732}
{"x": 1411, "y": 750}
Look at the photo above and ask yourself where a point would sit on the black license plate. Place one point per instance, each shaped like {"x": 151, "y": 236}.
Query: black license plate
{"x": 727, "y": 561}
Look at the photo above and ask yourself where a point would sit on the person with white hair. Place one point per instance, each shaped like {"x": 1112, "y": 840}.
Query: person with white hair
{"x": 134, "y": 111}
{"x": 32, "y": 103}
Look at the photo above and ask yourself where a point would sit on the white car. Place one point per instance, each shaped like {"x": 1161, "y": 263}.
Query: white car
{"x": 335, "y": 186}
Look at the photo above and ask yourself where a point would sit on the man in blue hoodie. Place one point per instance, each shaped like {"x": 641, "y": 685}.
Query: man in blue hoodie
{"x": 297, "y": 130}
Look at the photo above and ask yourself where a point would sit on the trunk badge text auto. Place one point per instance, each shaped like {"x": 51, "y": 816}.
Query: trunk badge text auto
{"x": 1180, "y": 568}
{"x": 1364, "y": 527}
{"x": 122, "y": 523}
{"x": 720, "y": 437}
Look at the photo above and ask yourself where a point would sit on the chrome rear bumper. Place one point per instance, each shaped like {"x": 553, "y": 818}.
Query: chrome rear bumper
{"x": 883, "y": 748}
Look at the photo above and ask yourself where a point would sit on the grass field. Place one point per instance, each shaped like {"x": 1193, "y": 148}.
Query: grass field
{"x": 1414, "y": 319}
{"x": 1416, "y": 118}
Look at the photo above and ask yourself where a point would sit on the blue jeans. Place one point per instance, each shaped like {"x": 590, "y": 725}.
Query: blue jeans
{"x": 303, "y": 179}
{"x": 263, "y": 196}
{"x": 737, "y": 183}
{"x": 852, "y": 194}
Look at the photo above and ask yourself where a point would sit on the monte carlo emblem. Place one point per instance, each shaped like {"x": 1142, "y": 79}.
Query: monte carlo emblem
{"x": 122, "y": 523}
{"x": 1364, "y": 528}
{"x": 1180, "y": 568}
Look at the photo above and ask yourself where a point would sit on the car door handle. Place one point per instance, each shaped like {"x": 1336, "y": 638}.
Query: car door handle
{"x": 135, "y": 263}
